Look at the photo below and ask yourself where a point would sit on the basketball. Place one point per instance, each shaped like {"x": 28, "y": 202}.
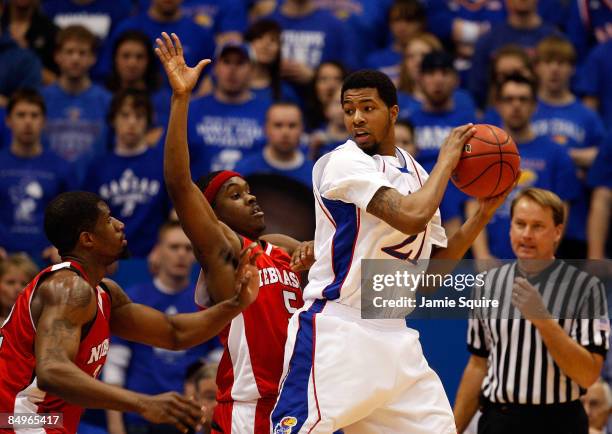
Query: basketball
{"x": 489, "y": 163}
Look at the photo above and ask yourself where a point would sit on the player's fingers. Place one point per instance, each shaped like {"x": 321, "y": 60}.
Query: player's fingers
{"x": 161, "y": 48}
{"x": 169, "y": 44}
{"x": 188, "y": 411}
{"x": 177, "y": 44}
{"x": 466, "y": 131}
{"x": 201, "y": 64}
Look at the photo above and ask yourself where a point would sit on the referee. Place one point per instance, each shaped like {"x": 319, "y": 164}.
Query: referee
{"x": 528, "y": 370}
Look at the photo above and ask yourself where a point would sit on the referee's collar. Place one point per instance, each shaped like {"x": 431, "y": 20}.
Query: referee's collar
{"x": 542, "y": 276}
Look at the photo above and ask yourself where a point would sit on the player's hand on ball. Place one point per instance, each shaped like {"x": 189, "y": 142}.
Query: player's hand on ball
{"x": 527, "y": 299}
{"x": 451, "y": 149}
{"x": 174, "y": 409}
{"x": 303, "y": 256}
{"x": 247, "y": 278}
{"x": 182, "y": 78}
{"x": 488, "y": 205}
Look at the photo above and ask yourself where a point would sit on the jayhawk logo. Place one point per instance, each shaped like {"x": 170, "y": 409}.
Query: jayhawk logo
{"x": 286, "y": 425}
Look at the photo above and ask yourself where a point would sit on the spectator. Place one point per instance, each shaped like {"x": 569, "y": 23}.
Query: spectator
{"x": 507, "y": 60}
{"x": 327, "y": 81}
{"x": 146, "y": 369}
{"x": 433, "y": 122}
{"x": 595, "y": 84}
{"x": 598, "y": 406}
{"x": 332, "y": 133}
{"x": 165, "y": 16}
{"x": 227, "y": 19}
{"x": 134, "y": 67}
{"x": 568, "y": 122}
{"x": 310, "y": 37}
{"x": 20, "y": 67}
{"x": 533, "y": 358}
{"x": 264, "y": 37}
{"x": 523, "y": 26}
{"x": 15, "y": 273}
{"x": 30, "y": 28}
{"x": 404, "y": 137}
{"x": 30, "y": 177}
{"x": 281, "y": 154}
{"x": 410, "y": 95}
{"x": 544, "y": 164}
{"x": 227, "y": 124}
{"x": 589, "y": 24}
{"x": 130, "y": 178}
{"x": 206, "y": 392}
{"x": 406, "y": 19}
{"x": 600, "y": 179}
{"x": 76, "y": 107}
{"x": 100, "y": 17}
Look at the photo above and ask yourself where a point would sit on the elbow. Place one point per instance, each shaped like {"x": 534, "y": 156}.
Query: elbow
{"x": 414, "y": 223}
{"x": 48, "y": 376}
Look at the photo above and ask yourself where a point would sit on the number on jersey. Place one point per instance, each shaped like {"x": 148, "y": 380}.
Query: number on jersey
{"x": 411, "y": 254}
{"x": 289, "y": 296}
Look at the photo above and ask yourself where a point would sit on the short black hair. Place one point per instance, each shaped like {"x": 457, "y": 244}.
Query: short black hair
{"x": 520, "y": 79}
{"x": 69, "y": 214}
{"x": 139, "y": 100}
{"x": 28, "y": 95}
{"x": 372, "y": 79}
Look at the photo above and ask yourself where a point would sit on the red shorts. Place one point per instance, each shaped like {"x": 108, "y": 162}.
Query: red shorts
{"x": 243, "y": 417}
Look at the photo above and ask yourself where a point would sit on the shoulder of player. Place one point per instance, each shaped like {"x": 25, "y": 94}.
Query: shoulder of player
{"x": 118, "y": 296}
{"x": 69, "y": 289}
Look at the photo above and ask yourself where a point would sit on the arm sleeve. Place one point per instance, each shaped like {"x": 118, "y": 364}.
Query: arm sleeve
{"x": 352, "y": 177}
{"x": 592, "y": 328}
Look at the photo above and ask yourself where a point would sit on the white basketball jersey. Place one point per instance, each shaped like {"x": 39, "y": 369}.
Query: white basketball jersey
{"x": 344, "y": 182}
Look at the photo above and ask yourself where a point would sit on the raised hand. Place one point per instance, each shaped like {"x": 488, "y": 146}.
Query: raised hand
{"x": 182, "y": 78}
{"x": 172, "y": 408}
{"x": 488, "y": 205}
{"x": 450, "y": 151}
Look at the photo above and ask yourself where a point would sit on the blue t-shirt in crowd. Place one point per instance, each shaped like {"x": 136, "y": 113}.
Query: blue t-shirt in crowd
{"x": 161, "y": 106}
{"x": 408, "y": 104}
{"x": 430, "y": 131}
{"x": 366, "y": 25}
{"x": 76, "y": 126}
{"x": 134, "y": 189}
{"x": 387, "y": 61}
{"x": 595, "y": 80}
{"x": 573, "y": 126}
{"x": 544, "y": 164}
{"x": 600, "y": 174}
{"x": 589, "y": 23}
{"x": 154, "y": 370}
{"x": 220, "y": 134}
{"x": 313, "y": 38}
{"x": 19, "y": 67}
{"x": 257, "y": 163}
{"x": 27, "y": 185}
{"x": 217, "y": 15}
{"x": 99, "y": 16}
{"x": 198, "y": 41}
{"x": 287, "y": 93}
{"x": 498, "y": 36}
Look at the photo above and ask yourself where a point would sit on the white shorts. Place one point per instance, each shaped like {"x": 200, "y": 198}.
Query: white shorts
{"x": 362, "y": 376}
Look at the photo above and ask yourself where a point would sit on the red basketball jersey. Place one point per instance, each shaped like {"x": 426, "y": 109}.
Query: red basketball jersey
{"x": 19, "y": 393}
{"x": 254, "y": 342}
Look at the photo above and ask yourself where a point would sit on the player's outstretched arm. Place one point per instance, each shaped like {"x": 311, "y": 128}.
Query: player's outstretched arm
{"x": 140, "y": 323}
{"x": 217, "y": 252}
{"x": 411, "y": 213}
{"x": 68, "y": 303}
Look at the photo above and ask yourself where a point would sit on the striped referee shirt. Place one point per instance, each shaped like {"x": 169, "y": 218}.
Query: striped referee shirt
{"x": 520, "y": 368}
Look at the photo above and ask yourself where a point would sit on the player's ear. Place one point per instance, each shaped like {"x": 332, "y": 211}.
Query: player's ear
{"x": 86, "y": 239}
{"x": 394, "y": 112}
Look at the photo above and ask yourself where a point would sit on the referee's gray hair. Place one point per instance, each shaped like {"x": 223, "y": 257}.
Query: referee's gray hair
{"x": 544, "y": 198}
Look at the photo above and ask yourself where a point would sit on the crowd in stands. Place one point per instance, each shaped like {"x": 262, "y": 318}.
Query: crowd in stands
{"x": 84, "y": 105}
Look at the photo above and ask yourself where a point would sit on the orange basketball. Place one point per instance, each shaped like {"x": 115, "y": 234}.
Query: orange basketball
{"x": 489, "y": 163}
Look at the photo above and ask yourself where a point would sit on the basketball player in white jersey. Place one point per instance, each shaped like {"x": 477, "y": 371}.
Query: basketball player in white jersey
{"x": 373, "y": 202}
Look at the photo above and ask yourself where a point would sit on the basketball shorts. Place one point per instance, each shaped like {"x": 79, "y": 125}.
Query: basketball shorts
{"x": 362, "y": 376}
{"x": 242, "y": 417}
